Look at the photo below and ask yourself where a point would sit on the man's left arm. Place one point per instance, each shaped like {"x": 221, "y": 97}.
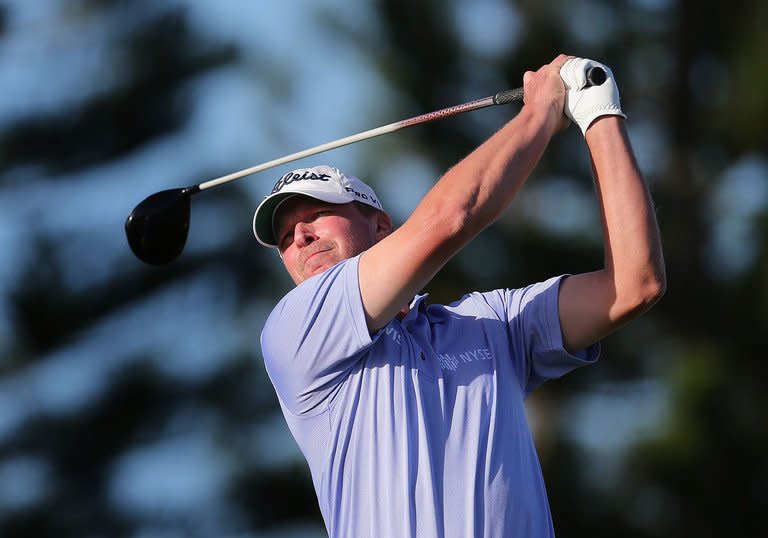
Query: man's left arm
{"x": 592, "y": 305}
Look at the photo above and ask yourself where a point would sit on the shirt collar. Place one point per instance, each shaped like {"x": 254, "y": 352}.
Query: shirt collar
{"x": 418, "y": 303}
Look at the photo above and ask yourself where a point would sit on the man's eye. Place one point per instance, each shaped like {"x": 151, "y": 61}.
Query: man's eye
{"x": 286, "y": 241}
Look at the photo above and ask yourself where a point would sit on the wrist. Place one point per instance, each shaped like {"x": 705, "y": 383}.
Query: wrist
{"x": 545, "y": 116}
{"x": 604, "y": 127}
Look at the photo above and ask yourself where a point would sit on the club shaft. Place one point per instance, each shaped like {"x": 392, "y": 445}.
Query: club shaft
{"x": 595, "y": 76}
{"x": 497, "y": 99}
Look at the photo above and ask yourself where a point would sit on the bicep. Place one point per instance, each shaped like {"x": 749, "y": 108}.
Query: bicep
{"x": 586, "y": 307}
{"x": 400, "y": 265}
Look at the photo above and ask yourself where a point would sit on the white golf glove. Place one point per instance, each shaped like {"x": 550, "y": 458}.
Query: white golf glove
{"x": 583, "y": 104}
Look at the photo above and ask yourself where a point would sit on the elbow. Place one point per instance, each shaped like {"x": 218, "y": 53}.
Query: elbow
{"x": 646, "y": 292}
{"x": 653, "y": 290}
{"x": 656, "y": 284}
{"x": 449, "y": 223}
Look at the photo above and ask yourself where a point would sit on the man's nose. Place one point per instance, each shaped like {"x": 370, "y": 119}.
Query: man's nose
{"x": 303, "y": 234}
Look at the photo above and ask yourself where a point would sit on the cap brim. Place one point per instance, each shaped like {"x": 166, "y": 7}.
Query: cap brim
{"x": 264, "y": 217}
{"x": 263, "y": 227}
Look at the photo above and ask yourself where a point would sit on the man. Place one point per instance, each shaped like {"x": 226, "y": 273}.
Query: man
{"x": 411, "y": 417}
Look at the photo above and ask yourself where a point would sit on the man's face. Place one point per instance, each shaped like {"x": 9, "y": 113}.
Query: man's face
{"x": 313, "y": 235}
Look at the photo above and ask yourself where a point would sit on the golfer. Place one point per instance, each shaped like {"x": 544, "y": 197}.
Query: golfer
{"x": 411, "y": 415}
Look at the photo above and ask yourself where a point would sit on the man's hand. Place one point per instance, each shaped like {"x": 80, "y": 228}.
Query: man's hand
{"x": 545, "y": 87}
{"x": 585, "y": 104}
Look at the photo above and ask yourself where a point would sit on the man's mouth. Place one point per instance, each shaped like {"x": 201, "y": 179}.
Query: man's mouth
{"x": 318, "y": 251}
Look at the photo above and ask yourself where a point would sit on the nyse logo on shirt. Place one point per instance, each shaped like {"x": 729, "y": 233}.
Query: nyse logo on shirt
{"x": 452, "y": 361}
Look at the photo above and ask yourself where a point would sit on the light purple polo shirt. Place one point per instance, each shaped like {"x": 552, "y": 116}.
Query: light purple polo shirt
{"x": 419, "y": 430}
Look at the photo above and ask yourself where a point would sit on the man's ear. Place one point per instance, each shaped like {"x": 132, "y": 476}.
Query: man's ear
{"x": 383, "y": 225}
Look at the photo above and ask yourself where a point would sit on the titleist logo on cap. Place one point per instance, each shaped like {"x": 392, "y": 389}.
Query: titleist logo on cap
{"x": 292, "y": 177}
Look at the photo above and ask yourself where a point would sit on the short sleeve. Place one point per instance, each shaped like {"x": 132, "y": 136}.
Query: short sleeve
{"x": 314, "y": 337}
{"x": 536, "y": 339}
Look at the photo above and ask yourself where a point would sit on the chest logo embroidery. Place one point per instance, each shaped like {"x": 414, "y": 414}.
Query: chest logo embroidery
{"x": 452, "y": 361}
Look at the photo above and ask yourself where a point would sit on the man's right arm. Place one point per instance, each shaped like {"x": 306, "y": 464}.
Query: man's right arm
{"x": 468, "y": 198}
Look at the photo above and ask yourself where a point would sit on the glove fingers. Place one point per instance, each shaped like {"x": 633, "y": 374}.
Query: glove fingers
{"x": 573, "y": 74}
{"x": 584, "y": 104}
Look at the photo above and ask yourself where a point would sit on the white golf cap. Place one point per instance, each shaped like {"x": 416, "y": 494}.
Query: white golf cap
{"x": 322, "y": 182}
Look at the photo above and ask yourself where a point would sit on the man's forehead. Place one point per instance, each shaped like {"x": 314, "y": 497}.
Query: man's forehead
{"x": 298, "y": 204}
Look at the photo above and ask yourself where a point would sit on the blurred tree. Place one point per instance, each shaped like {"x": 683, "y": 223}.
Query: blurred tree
{"x": 695, "y": 112}
{"x": 157, "y": 54}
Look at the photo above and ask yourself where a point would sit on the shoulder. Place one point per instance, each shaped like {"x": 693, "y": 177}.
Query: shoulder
{"x": 331, "y": 284}
{"x": 322, "y": 308}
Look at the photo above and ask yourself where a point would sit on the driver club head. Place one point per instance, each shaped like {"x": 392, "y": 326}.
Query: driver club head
{"x": 157, "y": 228}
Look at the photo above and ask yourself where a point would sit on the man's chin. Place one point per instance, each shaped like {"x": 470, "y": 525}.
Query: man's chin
{"x": 314, "y": 271}
{"x": 319, "y": 269}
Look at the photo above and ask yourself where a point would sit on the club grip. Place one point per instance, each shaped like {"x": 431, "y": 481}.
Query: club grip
{"x": 508, "y": 96}
{"x": 595, "y": 77}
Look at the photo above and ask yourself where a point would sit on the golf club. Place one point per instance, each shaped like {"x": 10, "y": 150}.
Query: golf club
{"x": 157, "y": 228}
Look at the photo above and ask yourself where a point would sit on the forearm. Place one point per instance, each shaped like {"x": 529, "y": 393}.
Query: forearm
{"x": 463, "y": 202}
{"x": 632, "y": 245}
{"x": 592, "y": 305}
{"x": 469, "y": 197}
{"x": 478, "y": 189}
